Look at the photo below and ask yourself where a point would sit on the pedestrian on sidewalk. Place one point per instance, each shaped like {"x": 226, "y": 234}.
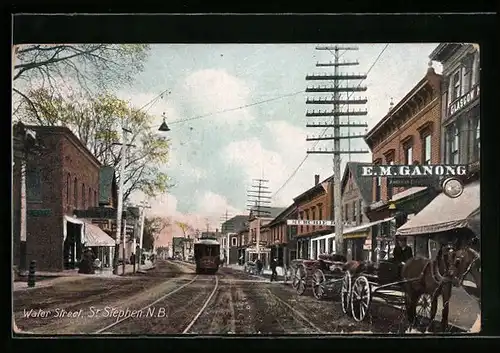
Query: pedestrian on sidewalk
{"x": 259, "y": 265}
{"x": 274, "y": 274}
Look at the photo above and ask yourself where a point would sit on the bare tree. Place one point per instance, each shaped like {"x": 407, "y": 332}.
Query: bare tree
{"x": 91, "y": 67}
{"x": 96, "y": 122}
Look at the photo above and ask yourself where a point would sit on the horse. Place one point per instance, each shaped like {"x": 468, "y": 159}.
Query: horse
{"x": 469, "y": 262}
{"x": 435, "y": 278}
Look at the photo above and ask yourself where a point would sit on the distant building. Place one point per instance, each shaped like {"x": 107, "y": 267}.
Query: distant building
{"x": 283, "y": 236}
{"x": 356, "y": 196}
{"x": 258, "y": 228}
{"x": 231, "y": 228}
{"x": 315, "y": 204}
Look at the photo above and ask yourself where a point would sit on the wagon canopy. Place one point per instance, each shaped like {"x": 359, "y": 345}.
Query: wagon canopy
{"x": 445, "y": 213}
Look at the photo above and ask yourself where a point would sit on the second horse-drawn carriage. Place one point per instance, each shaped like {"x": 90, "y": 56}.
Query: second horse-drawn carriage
{"x": 414, "y": 286}
{"x": 320, "y": 275}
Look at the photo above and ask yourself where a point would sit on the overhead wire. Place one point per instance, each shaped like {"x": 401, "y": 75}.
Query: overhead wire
{"x": 326, "y": 129}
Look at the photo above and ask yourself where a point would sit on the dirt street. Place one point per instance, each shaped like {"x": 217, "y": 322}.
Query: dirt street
{"x": 172, "y": 299}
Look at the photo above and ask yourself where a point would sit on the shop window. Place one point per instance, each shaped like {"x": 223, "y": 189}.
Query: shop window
{"x": 75, "y": 193}
{"x": 360, "y": 211}
{"x": 426, "y": 148}
{"x": 474, "y": 139}
{"x": 68, "y": 189}
{"x": 84, "y": 201}
{"x": 408, "y": 149}
{"x": 455, "y": 85}
{"x": 33, "y": 184}
{"x": 378, "y": 187}
{"x": 452, "y": 144}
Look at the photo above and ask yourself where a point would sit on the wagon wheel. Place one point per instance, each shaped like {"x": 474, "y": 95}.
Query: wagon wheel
{"x": 360, "y": 298}
{"x": 295, "y": 281}
{"x": 318, "y": 284}
{"x": 345, "y": 293}
{"x": 301, "y": 276}
{"x": 423, "y": 309}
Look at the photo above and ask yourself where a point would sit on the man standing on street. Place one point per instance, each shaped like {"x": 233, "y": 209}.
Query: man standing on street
{"x": 274, "y": 274}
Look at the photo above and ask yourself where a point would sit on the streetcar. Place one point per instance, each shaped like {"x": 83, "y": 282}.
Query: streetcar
{"x": 207, "y": 256}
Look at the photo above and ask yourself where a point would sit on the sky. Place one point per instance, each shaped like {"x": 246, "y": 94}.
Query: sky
{"x": 237, "y": 112}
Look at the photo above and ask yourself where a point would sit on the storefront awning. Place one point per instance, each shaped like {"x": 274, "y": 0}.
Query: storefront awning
{"x": 95, "y": 236}
{"x": 445, "y": 213}
{"x": 362, "y": 230}
{"x": 73, "y": 220}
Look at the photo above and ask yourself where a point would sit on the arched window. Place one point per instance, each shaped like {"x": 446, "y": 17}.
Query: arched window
{"x": 75, "y": 193}
{"x": 84, "y": 206}
{"x": 90, "y": 198}
{"x": 96, "y": 201}
{"x": 68, "y": 189}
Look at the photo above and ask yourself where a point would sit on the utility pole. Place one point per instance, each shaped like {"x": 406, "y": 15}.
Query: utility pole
{"x": 258, "y": 204}
{"x": 119, "y": 206}
{"x": 225, "y": 234}
{"x": 143, "y": 205}
{"x": 25, "y": 144}
{"x": 341, "y": 96}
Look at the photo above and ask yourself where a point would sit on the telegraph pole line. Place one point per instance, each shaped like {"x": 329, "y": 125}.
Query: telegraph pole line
{"x": 225, "y": 234}
{"x": 340, "y": 97}
{"x": 143, "y": 205}
{"x": 258, "y": 203}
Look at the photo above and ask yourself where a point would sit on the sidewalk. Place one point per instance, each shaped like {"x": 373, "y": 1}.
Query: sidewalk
{"x": 72, "y": 275}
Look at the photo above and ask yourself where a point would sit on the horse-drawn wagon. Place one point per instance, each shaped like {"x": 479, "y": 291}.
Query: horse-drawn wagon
{"x": 320, "y": 275}
{"x": 414, "y": 287}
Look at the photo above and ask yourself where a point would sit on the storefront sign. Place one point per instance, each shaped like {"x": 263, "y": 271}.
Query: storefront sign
{"x": 463, "y": 101}
{"x": 44, "y": 212}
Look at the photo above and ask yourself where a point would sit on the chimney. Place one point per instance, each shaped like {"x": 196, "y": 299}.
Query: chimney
{"x": 316, "y": 179}
{"x": 391, "y": 104}
{"x": 430, "y": 69}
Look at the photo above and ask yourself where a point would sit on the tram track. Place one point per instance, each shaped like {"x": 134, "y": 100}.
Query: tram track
{"x": 171, "y": 313}
{"x": 307, "y": 325}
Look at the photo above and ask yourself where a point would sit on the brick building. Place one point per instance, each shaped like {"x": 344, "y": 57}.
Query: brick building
{"x": 410, "y": 133}
{"x": 460, "y": 217}
{"x": 259, "y": 224}
{"x": 64, "y": 178}
{"x": 460, "y": 117}
{"x": 283, "y": 236}
{"x": 242, "y": 243}
{"x": 315, "y": 204}
{"x": 356, "y": 196}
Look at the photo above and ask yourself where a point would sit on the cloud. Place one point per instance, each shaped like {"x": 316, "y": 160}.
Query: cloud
{"x": 211, "y": 205}
{"x": 215, "y": 90}
{"x": 287, "y": 149}
{"x": 165, "y": 206}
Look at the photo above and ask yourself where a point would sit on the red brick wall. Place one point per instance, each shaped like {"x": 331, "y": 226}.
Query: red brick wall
{"x": 430, "y": 114}
{"x": 278, "y": 233}
{"x": 45, "y": 234}
{"x": 326, "y": 206}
